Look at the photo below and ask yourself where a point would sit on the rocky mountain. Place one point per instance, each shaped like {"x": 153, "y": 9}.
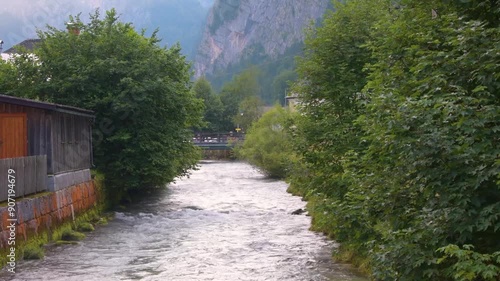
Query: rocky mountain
{"x": 239, "y": 30}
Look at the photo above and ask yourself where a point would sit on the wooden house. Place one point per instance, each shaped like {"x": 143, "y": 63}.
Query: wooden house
{"x": 48, "y": 140}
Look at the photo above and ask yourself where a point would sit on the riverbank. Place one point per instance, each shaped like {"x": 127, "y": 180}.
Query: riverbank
{"x": 226, "y": 221}
{"x": 321, "y": 222}
{"x": 37, "y": 220}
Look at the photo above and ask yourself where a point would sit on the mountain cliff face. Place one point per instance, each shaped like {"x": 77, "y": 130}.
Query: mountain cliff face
{"x": 242, "y": 29}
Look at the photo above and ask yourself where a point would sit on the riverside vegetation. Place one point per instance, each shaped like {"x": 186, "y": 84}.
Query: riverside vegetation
{"x": 140, "y": 93}
{"x": 69, "y": 232}
{"x": 396, "y": 144}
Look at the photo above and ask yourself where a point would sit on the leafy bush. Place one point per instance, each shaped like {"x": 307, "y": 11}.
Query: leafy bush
{"x": 267, "y": 143}
{"x": 33, "y": 253}
{"x": 85, "y": 227}
{"x": 467, "y": 265}
{"x": 399, "y": 134}
{"x": 140, "y": 94}
{"x": 71, "y": 235}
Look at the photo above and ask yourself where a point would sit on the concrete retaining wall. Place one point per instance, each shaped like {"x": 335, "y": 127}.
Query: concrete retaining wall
{"x": 61, "y": 181}
{"x": 45, "y": 212}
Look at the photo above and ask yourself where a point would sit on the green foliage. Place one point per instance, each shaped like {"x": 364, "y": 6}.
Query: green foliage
{"x": 139, "y": 92}
{"x": 243, "y": 86}
{"x": 102, "y": 221}
{"x": 71, "y": 235}
{"x": 275, "y": 73}
{"x": 85, "y": 227}
{"x": 399, "y": 136}
{"x": 470, "y": 265}
{"x": 244, "y": 96}
{"x": 33, "y": 252}
{"x": 213, "y": 105}
{"x": 331, "y": 78}
{"x": 268, "y": 143}
{"x": 19, "y": 74}
{"x": 280, "y": 85}
{"x": 62, "y": 242}
{"x": 431, "y": 123}
{"x": 249, "y": 111}
{"x": 7, "y": 75}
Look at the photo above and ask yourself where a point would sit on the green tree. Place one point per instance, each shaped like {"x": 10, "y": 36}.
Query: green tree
{"x": 7, "y": 77}
{"x": 242, "y": 86}
{"x": 139, "y": 91}
{"x": 398, "y": 136}
{"x": 20, "y": 73}
{"x": 268, "y": 143}
{"x": 431, "y": 169}
{"x": 249, "y": 111}
{"x": 213, "y": 106}
{"x": 331, "y": 77}
{"x": 281, "y": 84}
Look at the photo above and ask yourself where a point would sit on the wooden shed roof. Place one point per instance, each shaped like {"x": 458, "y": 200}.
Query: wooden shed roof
{"x": 47, "y": 106}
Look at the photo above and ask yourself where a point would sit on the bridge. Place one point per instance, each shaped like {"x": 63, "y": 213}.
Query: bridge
{"x": 217, "y": 141}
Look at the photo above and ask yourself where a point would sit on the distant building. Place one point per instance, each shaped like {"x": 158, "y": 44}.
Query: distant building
{"x": 29, "y": 45}
{"x": 291, "y": 101}
{"x": 5, "y": 57}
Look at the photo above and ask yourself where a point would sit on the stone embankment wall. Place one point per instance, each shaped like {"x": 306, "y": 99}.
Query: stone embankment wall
{"x": 217, "y": 154}
{"x": 47, "y": 211}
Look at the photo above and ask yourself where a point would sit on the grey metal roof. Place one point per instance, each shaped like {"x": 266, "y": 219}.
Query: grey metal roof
{"x": 47, "y": 106}
{"x": 29, "y": 44}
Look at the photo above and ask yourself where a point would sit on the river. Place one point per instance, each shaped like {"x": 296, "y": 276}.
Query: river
{"x": 225, "y": 222}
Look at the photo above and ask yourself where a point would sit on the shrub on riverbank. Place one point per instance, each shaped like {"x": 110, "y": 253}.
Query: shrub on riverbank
{"x": 268, "y": 144}
{"x": 72, "y": 235}
{"x": 85, "y": 227}
{"x": 398, "y": 136}
{"x": 33, "y": 252}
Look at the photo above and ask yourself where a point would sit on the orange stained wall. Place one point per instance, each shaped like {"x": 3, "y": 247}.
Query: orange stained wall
{"x": 13, "y": 135}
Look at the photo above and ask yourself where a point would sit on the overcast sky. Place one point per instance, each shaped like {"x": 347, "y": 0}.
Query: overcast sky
{"x": 20, "y": 18}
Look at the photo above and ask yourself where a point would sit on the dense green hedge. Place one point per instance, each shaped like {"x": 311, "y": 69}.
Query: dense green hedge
{"x": 399, "y": 133}
{"x": 398, "y": 136}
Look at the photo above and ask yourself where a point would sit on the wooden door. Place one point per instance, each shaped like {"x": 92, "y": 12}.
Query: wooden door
{"x": 13, "y": 135}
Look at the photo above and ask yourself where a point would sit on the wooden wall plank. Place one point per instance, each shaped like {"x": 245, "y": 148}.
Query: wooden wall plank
{"x": 18, "y": 165}
{"x": 29, "y": 175}
{"x": 49, "y": 141}
{"x": 66, "y": 143}
{"x": 41, "y": 173}
{"x": 4, "y": 166}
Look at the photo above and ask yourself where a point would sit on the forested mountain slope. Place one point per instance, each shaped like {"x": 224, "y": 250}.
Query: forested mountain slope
{"x": 243, "y": 33}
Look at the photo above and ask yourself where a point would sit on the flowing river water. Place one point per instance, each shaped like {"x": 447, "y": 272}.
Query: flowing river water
{"x": 225, "y": 222}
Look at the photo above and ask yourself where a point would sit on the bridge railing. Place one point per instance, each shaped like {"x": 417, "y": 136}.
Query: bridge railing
{"x": 222, "y": 138}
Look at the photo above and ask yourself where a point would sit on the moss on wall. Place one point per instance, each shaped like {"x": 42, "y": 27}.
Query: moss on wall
{"x": 52, "y": 217}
